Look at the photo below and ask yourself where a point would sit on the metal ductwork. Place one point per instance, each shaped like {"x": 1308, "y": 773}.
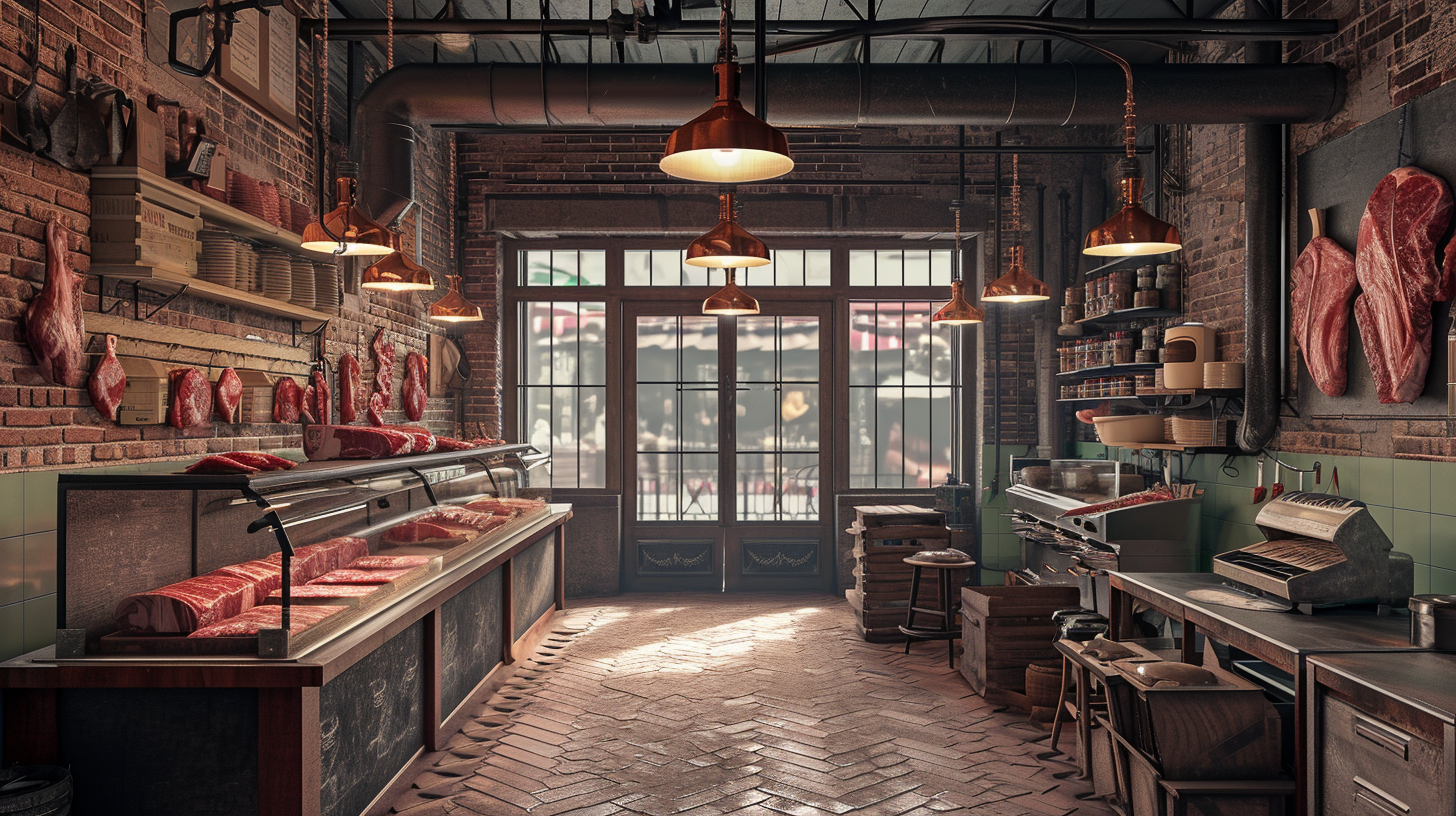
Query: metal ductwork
{"x": 843, "y": 95}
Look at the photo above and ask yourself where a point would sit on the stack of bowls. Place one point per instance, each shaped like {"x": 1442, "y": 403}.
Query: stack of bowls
{"x": 276, "y": 273}
{"x": 247, "y": 277}
{"x": 303, "y": 286}
{"x": 326, "y": 293}
{"x": 218, "y": 261}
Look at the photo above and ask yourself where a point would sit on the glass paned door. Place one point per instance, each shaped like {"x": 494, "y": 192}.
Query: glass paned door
{"x": 727, "y": 416}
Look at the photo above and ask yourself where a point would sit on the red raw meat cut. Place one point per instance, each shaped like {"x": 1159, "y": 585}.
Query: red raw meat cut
{"x": 361, "y": 576}
{"x": 485, "y": 442}
{"x": 1324, "y": 283}
{"x": 1088, "y": 414}
{"x": 417, "y": 532}
{"x": 316, "y": 559}
{"x": 261, "y": 461}
{"x": 1395, "y": 262}
{"x": 258, "y": 618}
{"x": 349, "y": 385}
{"x": 286, "y": 398}
{"x": 389, "y": 562}
{"x": 506, "y": 507}
{"x": 446, "y": 443}
{"x": 377, "y": 404}
{"x": 265, "y": 576}
{"x": 191, "y": 404}
{"x": 416, "y": 392}
{"x": 383, "y": 366}
{"x": 306, "y": 410}
{"x": 185, "y": 605}
{"x": 424, "y": 441}
{"x": 108, "y": 382}
{"x": 228, "y": 395}
{"x": 315, "y": 594}
{"x": 465, "y": 517}
{"x": 209, "y": 465}
{"x": 323, "y": 401}
{"x": 355, "y": 442}
{"x": 1156, "y": 494}
{"x": 53, "y": 323}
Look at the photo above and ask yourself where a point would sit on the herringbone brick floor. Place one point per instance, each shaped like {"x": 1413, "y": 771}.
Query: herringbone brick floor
{"x": 708, "y": 704}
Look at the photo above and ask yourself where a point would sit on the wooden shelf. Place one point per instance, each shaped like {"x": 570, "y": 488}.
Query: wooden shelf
{"x": 1128, "y": 315}
{"x": 1110, "y": 370}
{"x": 167, "y": 281}
{"x": 1176, "y": 448}
{"x": 1123, "y": 398}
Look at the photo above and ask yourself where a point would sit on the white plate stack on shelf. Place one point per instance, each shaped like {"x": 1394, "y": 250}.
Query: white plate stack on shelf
{"x": 1201, "y": 432}
{"x": 277, "y": 274}
{"x": 303, "y": 286}
{"x": 247, "y": 276}
{"x": 326, "y": 294}
{"x": 217, "y": 262}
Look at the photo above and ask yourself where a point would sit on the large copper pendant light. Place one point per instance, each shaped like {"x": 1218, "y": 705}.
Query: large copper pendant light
{"x": 397, "y": 273}
{"x": 727, "y": 144}
{"x": 959, "y": 311}
{"x": 453, "y": 307}
{"x": 1133, "y": 230}
{"x": 730, "y": 300}
{"x": 727, "y": 246}
{"x": 1017, "y": 285}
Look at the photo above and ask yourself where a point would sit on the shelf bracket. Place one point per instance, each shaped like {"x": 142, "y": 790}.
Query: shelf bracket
{"x": 299, "y": 334}
{"x": 271, "y": 520}
{"x": 429, "y": 489}
{"x": 166, "y": 301}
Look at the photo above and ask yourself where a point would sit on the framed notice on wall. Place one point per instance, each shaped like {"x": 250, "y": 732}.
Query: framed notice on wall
{"x": 261, "y": 61}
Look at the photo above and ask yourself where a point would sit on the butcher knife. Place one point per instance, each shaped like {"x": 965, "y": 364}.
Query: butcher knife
{"x": 1259, "y": 489}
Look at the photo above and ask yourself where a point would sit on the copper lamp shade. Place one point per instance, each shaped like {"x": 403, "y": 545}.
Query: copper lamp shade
{"x": 453, "y": 307}
{"x": 959, "y": 311}
{"x": 397, "y": 273}
{"x": 1133, "y": 230}
{"x": 1016, "y": 286}
{"x": 727, "y": 246}
{"x": 349, "y": 231}
{"x": 730, "y": 300}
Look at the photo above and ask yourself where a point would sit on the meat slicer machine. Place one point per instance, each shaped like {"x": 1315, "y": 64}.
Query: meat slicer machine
{"x": 1321, "y": 549}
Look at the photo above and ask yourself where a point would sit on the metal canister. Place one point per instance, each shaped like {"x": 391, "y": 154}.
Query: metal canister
{"x": 1433, "y": 621}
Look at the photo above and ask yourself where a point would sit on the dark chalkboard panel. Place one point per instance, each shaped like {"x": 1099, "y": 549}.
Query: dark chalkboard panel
{"x": 470, "y": 639}
{"x": 1338, "y": 177}
{"x": 533, "y": 581}
{"x": 370, "y": 723}
{"x": 189, "y": 751}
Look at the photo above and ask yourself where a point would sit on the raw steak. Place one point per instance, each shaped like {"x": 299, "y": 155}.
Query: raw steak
{"x": 446, "y": 443}
{"x": 316, "y": 559}
{"x": 323, "y": 401}
{"x": 265, "y": 576}
{"x": 306, "y": 409}
{"x": 349, "y": 385}
{"x": 509, "y": 507}
{"x": 286, "y": 397}
{"x": 377, "y": 404}
{"x": 258, "y": 618}
{"x": 418, "y": 532}
{"x": 209, "y": 465}
{"x": 485, "y": 442}
{"x": 383, "y": 366}
{"x": 355, "y": 442}
{"x": 464, "y": 517}
{"x": 261, "y": 461}
{"x": 361, "y": 576}
{"x": 1324, "y": 283}
{"x": 228, "y": 395}
{"x": 1395, "y": 262}
{"x": 424, "y": 441}
{"x": 108, "y": 382}
{"x": 389, "y": 562}
{"x": 416, "y": 392}
{"x": 324, "y": 594}
{"x": 191, "y": 404}
{"x": 186, "y": 605}
{"x": 53, "y": 323}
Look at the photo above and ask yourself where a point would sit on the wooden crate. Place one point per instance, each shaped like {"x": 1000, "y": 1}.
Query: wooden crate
{"x": 1142, "y": 790}
{"x": 890, "y": 515}
{"x": 1004, "y": 629}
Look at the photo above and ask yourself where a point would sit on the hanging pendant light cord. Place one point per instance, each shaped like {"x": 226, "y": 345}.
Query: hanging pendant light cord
{"x": 321, "y": 134}
{"x": 389, "y": 35}
{"x": 725, "y": 34}
{"x": 1129, "y": 118}
{"x": 1017, "y": 249}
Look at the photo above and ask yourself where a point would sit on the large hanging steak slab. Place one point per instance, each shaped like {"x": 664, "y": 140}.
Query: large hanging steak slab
{"x": 323, "y": 401}
{"x": 1395, "y": 263}
{"x": 1324, "y": 283}
{"x": 186, "y": 605}
{"x": 53, "y": 324}
{"x": 108, "y": 382}
{"x": 349, "y": 389}
{"x": 228, "y": 395}
{"x": 191, "y": 403}
{"x": 416, "y": 392}
{"x": 383, "y": 366}
{"x": 287, "y": 397}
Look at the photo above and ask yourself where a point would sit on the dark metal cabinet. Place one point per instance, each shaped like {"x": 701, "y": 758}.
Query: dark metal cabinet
{"x": 1382, "y": 734}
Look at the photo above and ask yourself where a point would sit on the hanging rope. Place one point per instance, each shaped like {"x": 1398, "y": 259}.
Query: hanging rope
{"x": 389, "y": 35}
{"x": 1016, "y": 247}
{"x": 323, "y": 92}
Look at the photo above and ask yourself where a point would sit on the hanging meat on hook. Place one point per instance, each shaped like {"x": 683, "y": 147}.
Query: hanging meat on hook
{"x": 53, "y": 324}
{"x": 286, "y": 397}
{"x": 323, "y": 401}
{"x": 383, "y": 366}
{"x": 108, "y": 382}
{"x": 416, "y": 392}
{"x": 228, "y": 395}
{"x": 1324, "y": 284}
{"x": 349, "y": 384}
{"x": 191, "y": 403}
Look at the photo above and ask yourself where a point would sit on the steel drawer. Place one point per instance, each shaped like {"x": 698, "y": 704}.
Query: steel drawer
{"x": 1372, "y": 768}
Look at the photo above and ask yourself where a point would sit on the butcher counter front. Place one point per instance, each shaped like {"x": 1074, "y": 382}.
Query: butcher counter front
{"x": 328, "y": 725}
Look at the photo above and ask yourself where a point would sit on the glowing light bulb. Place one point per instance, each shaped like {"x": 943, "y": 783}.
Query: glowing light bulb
{"x": 727, "y": 157}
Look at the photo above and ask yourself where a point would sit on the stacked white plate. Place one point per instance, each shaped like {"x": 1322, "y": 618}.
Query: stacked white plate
{"x": 276, "y": 273}
{"x": 1200, "y": 432}
{"x": 218, "y": 261}
{"x": 247, "y": 274}
{"x": 326, "y": 294}
{"x": 1223, "y": 375}
{"x": 303, "y": 288}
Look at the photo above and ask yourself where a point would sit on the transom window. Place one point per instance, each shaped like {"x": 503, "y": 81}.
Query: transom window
{"x": 665, "y": 267}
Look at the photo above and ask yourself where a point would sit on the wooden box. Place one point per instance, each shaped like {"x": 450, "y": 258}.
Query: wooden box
{"x": 256, "y": 405}
{"x": 145, "y": 399}
{"x": 1142, "y": 790}
{"x": 1005, "y": 629}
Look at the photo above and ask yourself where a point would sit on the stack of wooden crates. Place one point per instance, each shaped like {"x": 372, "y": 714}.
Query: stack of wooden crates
{"x": 884, "y": 536}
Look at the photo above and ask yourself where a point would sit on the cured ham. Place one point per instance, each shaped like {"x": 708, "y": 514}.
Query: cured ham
{"x": 361, "y": 576}
{"x": 306, "y": 405}
{"x": 375, "y": 411}
{"x": 286, "y": 398}
{"x": 249, "y": 623}
{"x": 191, "y": 400}
{"x": 108, "y": 382}
{"x": 416, "y": 392}
{"x": 186, "y": 605}
{"x": 1324, "y": 283}
{"x": 228, "y": 395}
{"x": 323, "y": 401}
{"x": 53, "y": 324}
{"x": 349, "y": 389}
{"x": 383, "y": 366}
{"x": 1395, "y": 263}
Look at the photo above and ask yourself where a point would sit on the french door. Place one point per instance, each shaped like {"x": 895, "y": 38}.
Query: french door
{"x": 726, "y": 431}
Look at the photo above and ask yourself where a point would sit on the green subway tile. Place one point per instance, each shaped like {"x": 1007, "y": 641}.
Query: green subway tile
{"x": 1413, "y": 534}
{"x": 1247, "y": 469}
{"x": 40, "y": 564}
{"x": 1209, "y": 506}
{"x": 1422, "y": 583}
{"x": 1443, "y": 541}
{"x": 1412, "y": 482}
{"x": 1377, "y": 482}
{"x": 12, "y": 504}
{"x": 40, "y": 622}
{"x": 1385, "y": 517}
{"x": 1443, "y": 487}
{"x": 40, "y": 501}
{"x": 12, "y": 631}
{"x": 1237, "y": 536}
{"x": 1443, "y": 581}
{"x": 12, "y": 570}
{"x": 992, "y": 577}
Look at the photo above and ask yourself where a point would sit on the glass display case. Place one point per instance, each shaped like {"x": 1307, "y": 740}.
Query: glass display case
{"x": 1089, "y": 481}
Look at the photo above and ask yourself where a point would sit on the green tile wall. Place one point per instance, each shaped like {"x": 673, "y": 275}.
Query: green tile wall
{"x": 27, "y": 562}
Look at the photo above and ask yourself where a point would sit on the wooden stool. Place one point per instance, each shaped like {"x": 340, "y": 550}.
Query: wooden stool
{"x": 949, "y": 630}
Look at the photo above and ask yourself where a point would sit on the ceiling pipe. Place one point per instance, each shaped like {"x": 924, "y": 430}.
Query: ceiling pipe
{"x": 513, "y": 95}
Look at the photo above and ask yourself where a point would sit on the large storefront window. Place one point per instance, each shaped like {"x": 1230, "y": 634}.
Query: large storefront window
{"x": 562, "y": 394}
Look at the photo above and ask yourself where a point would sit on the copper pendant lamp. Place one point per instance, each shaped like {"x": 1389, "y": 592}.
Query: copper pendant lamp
{"x": 346, "y": 230}
{"x": 397, "y": 273}
{"x": 453, "y": 307}
{"x": 959, "y": 311}
{"x": 1017, "y": 285}
{"x": 727, "y": 144}
{"x": 1133, "y": 230}
{"x": 730, "y": 300}
{"x": 727, "y": 246}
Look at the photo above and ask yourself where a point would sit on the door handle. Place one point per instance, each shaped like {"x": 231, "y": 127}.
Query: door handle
{"x": 1373, "y": 798}
{"x": 1393, "y": 741}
